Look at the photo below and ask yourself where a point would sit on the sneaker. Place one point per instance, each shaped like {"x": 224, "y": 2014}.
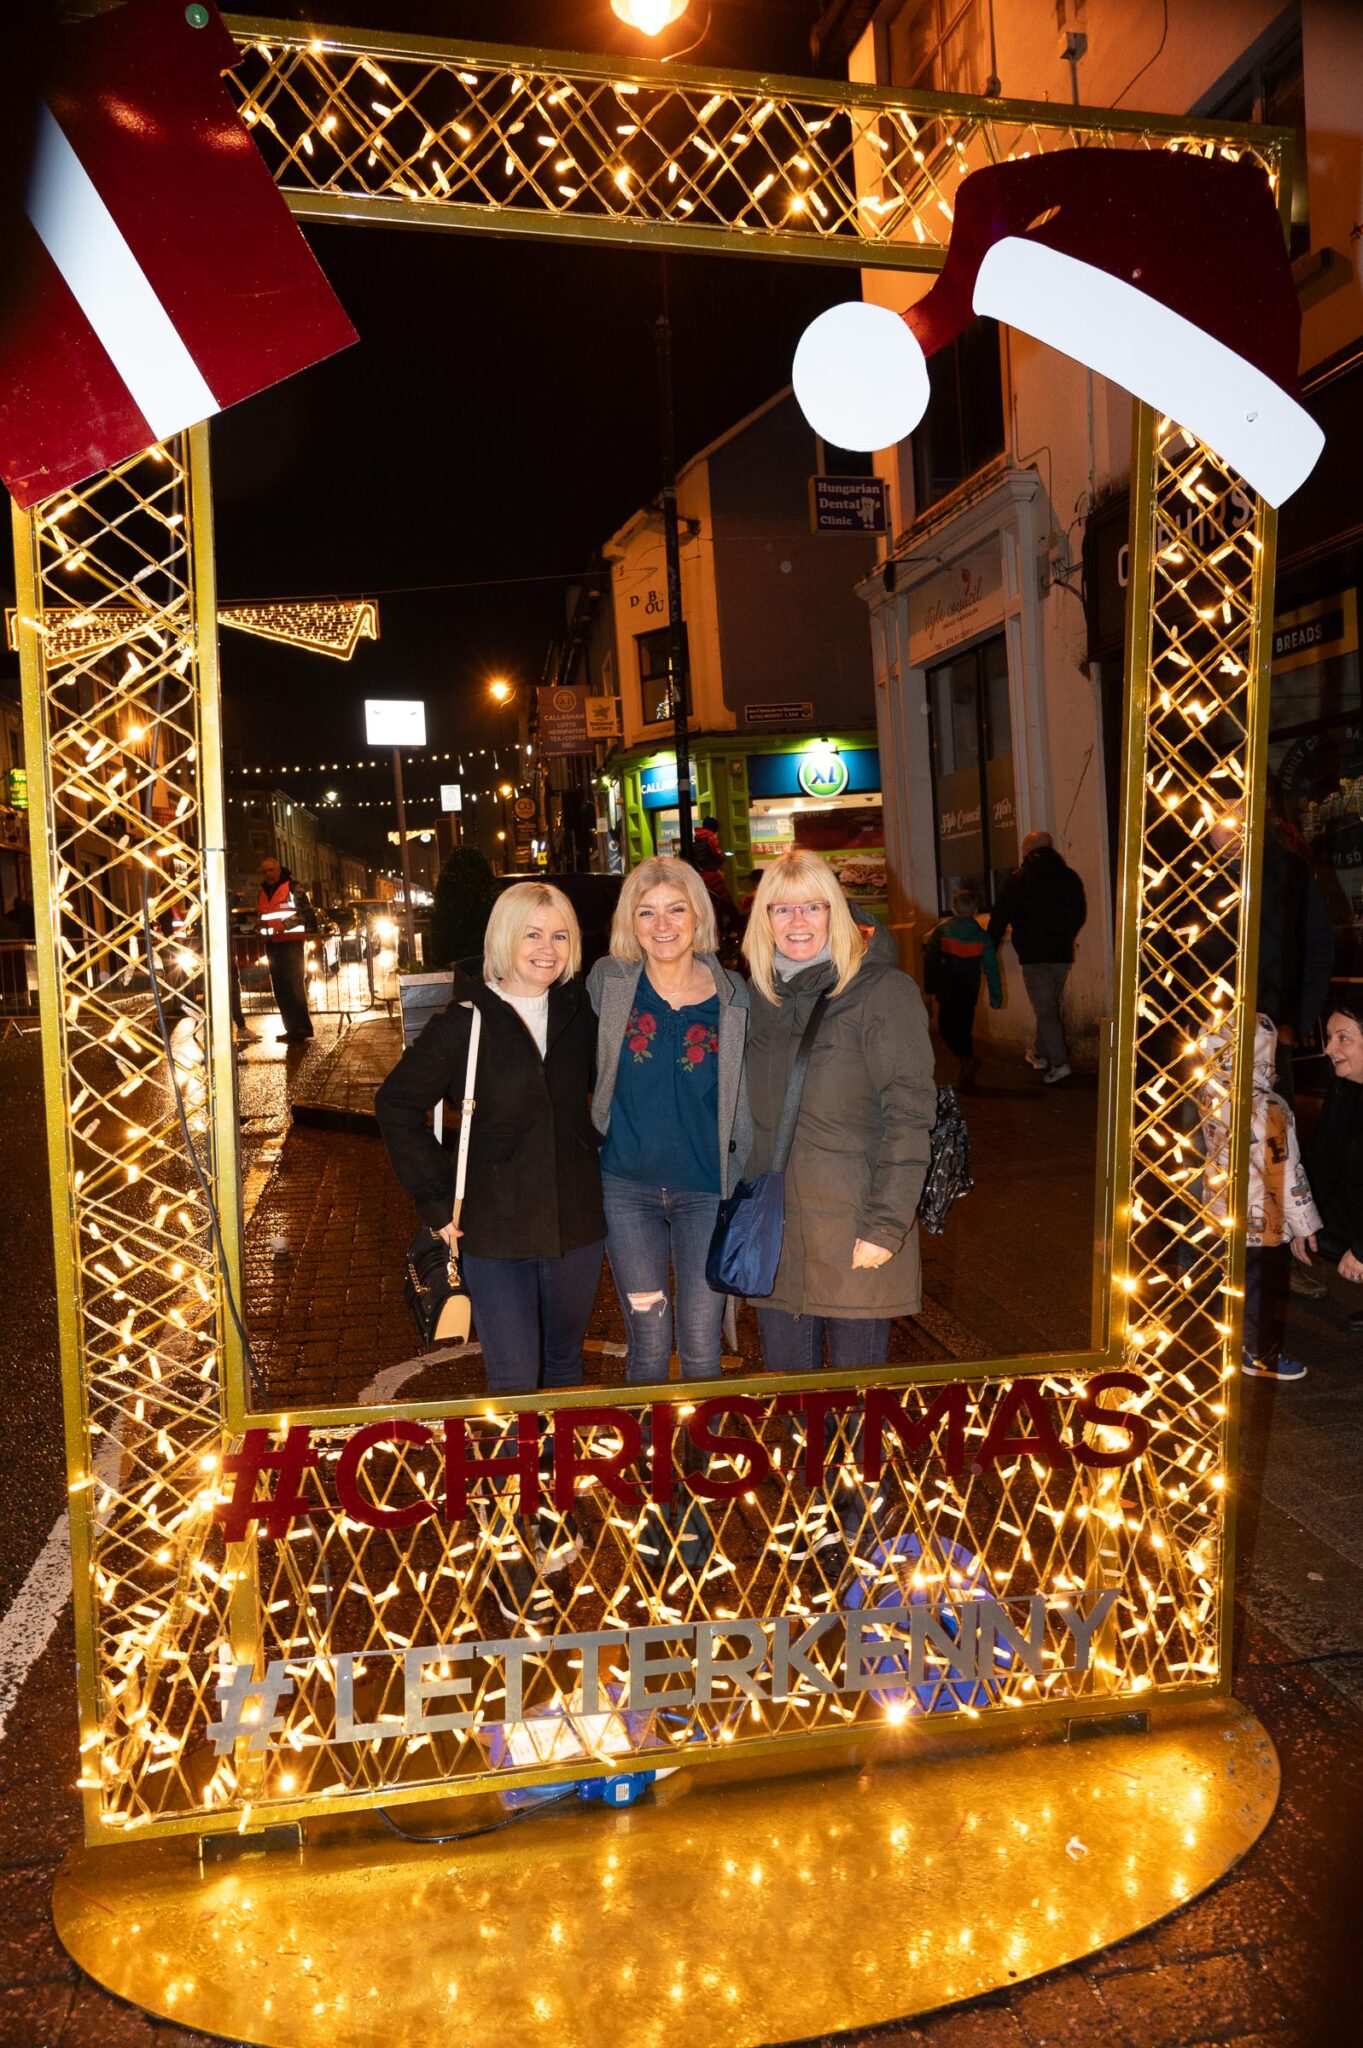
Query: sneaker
{"x": 1279, "y": 1368}
{"x": 558, "y": 1542}
{"x": 1353, "y": 1323}
{"x": 1308, "y": 1284}
{"x": 1034, "y": 1059}
{"x": 293, "y": 1037}
{"x": 1057, "y": 1074}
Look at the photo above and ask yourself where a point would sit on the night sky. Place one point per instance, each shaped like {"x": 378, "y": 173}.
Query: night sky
{"x": 497, "y": 421}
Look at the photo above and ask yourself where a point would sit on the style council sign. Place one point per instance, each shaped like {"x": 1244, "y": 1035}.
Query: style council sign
{"x": 955, "y": 604}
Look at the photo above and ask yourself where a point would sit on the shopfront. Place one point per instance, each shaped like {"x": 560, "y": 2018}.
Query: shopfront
{"x": 821, "y": 792}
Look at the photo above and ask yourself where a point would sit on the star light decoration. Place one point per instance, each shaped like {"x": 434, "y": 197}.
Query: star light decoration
{"x": 333, "y": 626}
{"x": 127, "y": 805}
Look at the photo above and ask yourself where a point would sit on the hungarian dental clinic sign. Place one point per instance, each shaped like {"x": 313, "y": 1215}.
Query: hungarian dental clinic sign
{"x": 159, "y": 275}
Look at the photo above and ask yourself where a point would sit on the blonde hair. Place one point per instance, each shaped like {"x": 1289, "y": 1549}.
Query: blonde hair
{"x": 511, "y": 913}
{"x": 661, "y": 872}
{"x": 800, "y": 877}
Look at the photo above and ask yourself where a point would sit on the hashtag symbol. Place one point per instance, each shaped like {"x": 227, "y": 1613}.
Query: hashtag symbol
{"x": 284, "y": 1503}
{"x": 248, "y": 1706}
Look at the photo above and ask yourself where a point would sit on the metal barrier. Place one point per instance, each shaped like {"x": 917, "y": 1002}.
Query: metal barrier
{"x": 337, "y": 986}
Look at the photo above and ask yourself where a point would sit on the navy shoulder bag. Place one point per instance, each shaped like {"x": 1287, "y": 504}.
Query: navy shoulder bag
{"x": 745, "y": 1249}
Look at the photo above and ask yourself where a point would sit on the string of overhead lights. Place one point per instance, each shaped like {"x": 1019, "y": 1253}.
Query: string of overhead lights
{"x": 383, "y": 760}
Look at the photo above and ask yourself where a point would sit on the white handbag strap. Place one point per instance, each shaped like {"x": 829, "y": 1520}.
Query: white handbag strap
{"x": 466, "y": 1109}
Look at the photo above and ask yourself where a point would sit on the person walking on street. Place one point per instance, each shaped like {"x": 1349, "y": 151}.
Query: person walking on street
{"x": 1043, "y": 904}
{"x": 1334, "y": 1153}
{"x": 286, "y": 918}
{"x": 959, "y": 952}
{"x": 1281, "y": 1219}
{"x": 849, "y": 1256}
{"x": 672, "y": 1110}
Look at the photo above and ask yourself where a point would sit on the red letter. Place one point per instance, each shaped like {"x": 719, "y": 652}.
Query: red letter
{"x": 663, "y": 1427}
{"x": 609, "y": 1471}
{"x": 348, "y": 1472}
{"x": 460, "y": 1467}
{"x": 1044, "y": 1445}
{"x": 749, "y": 1447}
{"x": 816, "y": 1408}
{"x": 1091, "y": 1415}
{"x": 914, "y": 1432}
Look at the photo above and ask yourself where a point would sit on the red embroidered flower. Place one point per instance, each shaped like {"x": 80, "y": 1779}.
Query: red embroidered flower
{"x": 647, "y": 1023}
{"x": 695, "y": 1053}
{"x": 638, "y": 1034}
{"x": 638, "y": 1045}
{"x": 695, "y": 1034}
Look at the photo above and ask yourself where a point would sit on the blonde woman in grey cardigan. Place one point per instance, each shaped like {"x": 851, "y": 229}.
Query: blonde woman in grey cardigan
{"x": 672, "y": 1109}
{"x": 849, "y": 1258}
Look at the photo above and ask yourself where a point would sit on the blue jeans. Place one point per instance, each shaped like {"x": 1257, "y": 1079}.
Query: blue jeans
{"x": 795, "y": 1343}
{"x": 531, "y": 1315}
{"x": 648, "y": 1227}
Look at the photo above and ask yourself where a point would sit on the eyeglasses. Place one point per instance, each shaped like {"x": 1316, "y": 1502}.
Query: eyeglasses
{"x": 782, "y": 913}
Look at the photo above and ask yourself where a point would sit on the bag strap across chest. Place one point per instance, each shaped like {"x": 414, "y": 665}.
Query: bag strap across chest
{"x": 795, "y": 1086}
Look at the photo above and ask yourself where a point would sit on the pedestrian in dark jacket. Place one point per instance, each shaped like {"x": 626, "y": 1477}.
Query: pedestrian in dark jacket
{"x": 849, "y": 1258}
{"x": 1333, "y": 1154}
{"x": 1296, "y": 946}
{"x": 959, "y": 953}
{"x": 286, "y": 918}
{"x": 532, "y": 1229}
{"x": 1043, "y": 903}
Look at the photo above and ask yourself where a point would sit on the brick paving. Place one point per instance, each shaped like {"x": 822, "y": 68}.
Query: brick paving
{"x": 1266, "y": 1956}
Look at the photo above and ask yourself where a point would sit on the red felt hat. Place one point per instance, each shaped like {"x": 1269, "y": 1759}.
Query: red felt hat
{"x": 1162, "y": 270}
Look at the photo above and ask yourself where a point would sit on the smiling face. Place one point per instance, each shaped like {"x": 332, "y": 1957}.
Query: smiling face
{"x": 540, "y": 957}
{"x": 800, "y": 929}
{"x": 1344, "y": 1046}
{"x": 665, "y": 925}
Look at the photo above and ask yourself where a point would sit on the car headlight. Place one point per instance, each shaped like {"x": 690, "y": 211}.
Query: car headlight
{"x": 385, "y": 931}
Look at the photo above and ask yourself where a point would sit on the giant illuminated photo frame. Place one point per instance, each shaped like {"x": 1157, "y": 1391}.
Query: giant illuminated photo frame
{"x": 240, "y": 1665}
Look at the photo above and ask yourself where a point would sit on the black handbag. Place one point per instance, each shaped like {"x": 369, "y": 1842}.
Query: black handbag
{"x": 434, "y": 1289}
{"x": 948, "y": 1175}
{"x": 745, "y": 1248}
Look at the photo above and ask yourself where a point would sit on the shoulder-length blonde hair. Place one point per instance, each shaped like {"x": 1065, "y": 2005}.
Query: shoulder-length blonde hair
{"x": 801, "y": 877}
{"x": 512, "y": 912}
{"x": 659, "y": 871}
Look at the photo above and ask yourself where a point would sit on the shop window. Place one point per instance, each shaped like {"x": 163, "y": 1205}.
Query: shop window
{"x": 1272, "y": 91}
{"x": 972, "y": 772}
{"x": 962, "y": 429}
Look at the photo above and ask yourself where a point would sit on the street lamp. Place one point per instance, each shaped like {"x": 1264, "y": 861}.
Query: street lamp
{"x": 500, "y": 690}
{"x": 650, "y": 17}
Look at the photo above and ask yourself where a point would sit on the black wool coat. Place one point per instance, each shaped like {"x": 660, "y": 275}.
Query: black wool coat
{"x": 534, "y": 1182}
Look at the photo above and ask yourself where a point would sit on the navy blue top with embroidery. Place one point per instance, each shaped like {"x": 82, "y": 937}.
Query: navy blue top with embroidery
{"x": 665, "y": 1110}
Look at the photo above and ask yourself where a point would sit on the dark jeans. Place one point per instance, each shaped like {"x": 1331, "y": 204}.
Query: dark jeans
{"x": 1268, "y": 1284}
{"x": 795, "y": 1343}
{"x": 531, "y": 1315}
{"x": 648, "y": 1228}
{"x": 288, "y": 979}
{"x": 956, "y": 1021}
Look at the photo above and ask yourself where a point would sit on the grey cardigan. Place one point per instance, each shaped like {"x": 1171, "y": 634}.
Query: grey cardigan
{"x": 611, "y": 985}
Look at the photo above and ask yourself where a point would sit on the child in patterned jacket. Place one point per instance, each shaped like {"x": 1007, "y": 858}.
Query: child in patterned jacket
{"x": 958, "y": 953}
{"x": 1279, "y": 1213}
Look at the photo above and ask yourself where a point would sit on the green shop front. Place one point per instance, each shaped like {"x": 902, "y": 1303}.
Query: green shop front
{"x": 819, "y": 791}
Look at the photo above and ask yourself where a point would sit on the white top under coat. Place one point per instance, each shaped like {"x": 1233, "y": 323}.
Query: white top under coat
{"x": 533, "y": 1012}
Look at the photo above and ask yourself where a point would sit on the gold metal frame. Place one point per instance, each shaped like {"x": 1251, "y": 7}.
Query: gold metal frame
{"x": 126, "y": 793}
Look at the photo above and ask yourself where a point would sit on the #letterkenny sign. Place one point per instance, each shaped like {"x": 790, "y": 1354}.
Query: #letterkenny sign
{"x": 159, "y": 274}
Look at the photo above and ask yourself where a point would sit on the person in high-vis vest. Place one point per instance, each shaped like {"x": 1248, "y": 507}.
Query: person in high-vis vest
{"x": 286, "y": 918}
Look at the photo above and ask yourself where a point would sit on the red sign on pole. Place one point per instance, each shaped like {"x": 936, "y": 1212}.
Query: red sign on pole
{"x": 160, "y": 276}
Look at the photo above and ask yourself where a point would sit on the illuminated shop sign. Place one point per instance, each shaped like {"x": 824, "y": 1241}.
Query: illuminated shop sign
{"x": 818, "y": 771}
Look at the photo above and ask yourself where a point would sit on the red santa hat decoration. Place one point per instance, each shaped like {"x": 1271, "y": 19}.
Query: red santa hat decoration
{"x": 1163, "y": 271}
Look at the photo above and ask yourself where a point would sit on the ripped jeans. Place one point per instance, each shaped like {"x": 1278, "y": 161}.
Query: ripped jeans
{"x": 648, "y": 1228}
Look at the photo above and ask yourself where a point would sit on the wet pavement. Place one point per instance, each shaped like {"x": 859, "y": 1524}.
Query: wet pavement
{"x": 1265, "y": 1956}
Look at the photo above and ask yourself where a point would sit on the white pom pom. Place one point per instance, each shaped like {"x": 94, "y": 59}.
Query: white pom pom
{"x": 279, "y": 1246}
{"x": 860, "y": 376}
